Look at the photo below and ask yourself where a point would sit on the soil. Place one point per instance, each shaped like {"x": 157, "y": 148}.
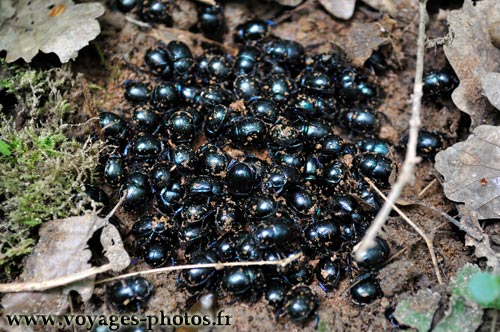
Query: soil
{"x": 117, "y": 55}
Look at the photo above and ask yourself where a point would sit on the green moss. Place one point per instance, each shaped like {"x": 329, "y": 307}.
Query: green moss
{"x": 41, "y": 168}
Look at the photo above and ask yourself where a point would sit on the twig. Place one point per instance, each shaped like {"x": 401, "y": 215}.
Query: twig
{"x": 472, "y": 232}
{"x": 208, "y": 2}
{"x": 406, "y": 175}
{"x": 217, "y": 266}
{"x": 66, "y": 280}
{"x": 428, "y": 242}
{"x": 58, "y": 282}
{"x": 137, "y": 22}
{"x": 427, "y": 187}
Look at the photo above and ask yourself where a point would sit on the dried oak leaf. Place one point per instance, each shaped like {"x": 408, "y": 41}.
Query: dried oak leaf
{"x": 343, "y": 9}
{"x": 58, "y": 26}
{"x": 62, "y": 251}
{"x": 471, "y": 171}
{"x": 364, "y": 38}
{"x": 483, "y": 247}
{"x": 475, "y": 59}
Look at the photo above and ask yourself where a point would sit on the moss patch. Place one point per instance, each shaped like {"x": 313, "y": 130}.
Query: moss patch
{"x": 41, "y": 169}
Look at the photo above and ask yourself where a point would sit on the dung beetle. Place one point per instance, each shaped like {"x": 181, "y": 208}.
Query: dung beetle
{"x": 316, "y": 81}
{"x": 289, "y": 52}
{"x": 330, "y": 145}
{"x": 331, "y": 63}
{"x": 277, "y": 178}
{"x": 241, "y": 280}
{"x": 181, "y": 127}
{"x": 145, "y": 120}
{"x": 219, "y": 68}
{"x": 145, "y": 146}
{"x": 181, "y": 58}
{"x": 156, "y": 11}
{"x": 211, "y": 20}
{"x": 259, "y": 207}
{"x": 198, "y": 278}
{"x": 247, "y": 247}
{"x": 285, "y": 136}
{"x": 374, "y": 166}
{"x": 279, "y": 87}
{"x": 138, "y": 192}
{"x": 136, "y": 92}
{"x": 126, "y": 5}
{"x": 113, "y": 127}
{"x": 114, "y": 169}
{"x": 157, "y": 252}
{"x": 228, "y": 216}
{"x": 165, "y": 96}
{"x": 265, "y": 109}
{"x": 213, "y": 96}
{"x": 374, "y": 145}
{"x": 328, "y": 273}
{"x": 439, "y": 83}
{"x": 217, "y": 117}
{"x": 300, "y": 303}
{"x": 130, "y": 294}
{"x": 246, "y": 60}
{"x": 160, "y": 176}
{"x": 366, "y": 290}
{"x": 245, "y": 131}
{"x": 301, "y": 201}
{"x": 246, "y": 87}
{"x": 157, "y": 61}
{"x": 428, "y": 144}
{"x": 276, "y": 291}
{"x": 322, "y": 234}
{"x": 373, "y": 258}
{"x": 252, "y": 30}
{"x": 361, "y": 120}
{"x": 241, "y": 179}
{"x": 212, "y": 160}
{"x": 272, "y": 232}
{"x": 300, "y": 273}
{"x": 204, "y": 185}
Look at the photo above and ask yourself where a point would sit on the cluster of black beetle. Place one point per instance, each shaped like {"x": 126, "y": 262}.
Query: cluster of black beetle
{"x": 309, "y": 198}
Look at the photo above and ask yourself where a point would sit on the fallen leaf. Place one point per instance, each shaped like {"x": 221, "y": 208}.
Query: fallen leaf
{"x": 465, "y": 167}
{"x": 62, "y": 251}
{"x": 418, "y": 310}
{"x": 473, "y": 57}
{"x": 464, "y": 313}
{"x": 365, "y": 38}
{"x": 343, "y": 9}
{"x": 59, "y": 26}
{"x": 491, "y": 87}
{"x": 482, "y": 247}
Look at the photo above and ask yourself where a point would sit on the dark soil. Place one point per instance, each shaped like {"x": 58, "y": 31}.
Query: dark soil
{"x": 122, "y": 45}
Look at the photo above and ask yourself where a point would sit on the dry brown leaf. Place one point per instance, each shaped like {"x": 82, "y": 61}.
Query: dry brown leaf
{"x": 62, "y": 251}
{"x": 343, "y": 9}
{"x": 473, "y": 57}
{"x": 58, "y": 26}
{"x": 483, "y": 247}
{"x": 365, "y": 38}
{"x": 471, "y": 171}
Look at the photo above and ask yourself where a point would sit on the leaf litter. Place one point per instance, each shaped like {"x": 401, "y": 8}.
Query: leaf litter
{"x": 63, "y": 251}
{"x": 61, "y": 27}
{"x": 474, "y": 58}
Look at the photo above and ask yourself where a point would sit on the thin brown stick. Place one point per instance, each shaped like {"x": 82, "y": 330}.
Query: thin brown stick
{"x": 208, "y": 2}
{"x": 63, "y": 281}
{"x": 424, "y": 236}
{"x": 217, "y": 266}
{"x": 427, "y": 187}
{"x": 406, "y": 175}
{"x": 40, "y": 286}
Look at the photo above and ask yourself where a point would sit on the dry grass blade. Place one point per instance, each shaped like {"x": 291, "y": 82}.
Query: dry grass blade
{"x": 406, "y": 175}
{"x": 428, "y": 242}
{"x": 217, "y": 266}
{"x": 66, "y": 280}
